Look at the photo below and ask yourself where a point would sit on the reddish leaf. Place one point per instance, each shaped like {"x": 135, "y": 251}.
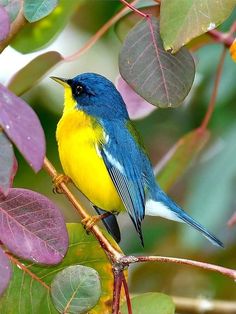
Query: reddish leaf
{"x": 23, "y": 127}
{"x": 5, "y": 271}
{"x": 137, "y": 106}
{"x": 232, "y": 220}
{"x": 34, "y": 71}
{"x": 8, "y": 164}
{"x": 32, "y": 227}
{"x": 4, "y": 23}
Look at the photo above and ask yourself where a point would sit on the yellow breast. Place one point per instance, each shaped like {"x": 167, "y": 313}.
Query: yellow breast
{"x": 78, "y": 137}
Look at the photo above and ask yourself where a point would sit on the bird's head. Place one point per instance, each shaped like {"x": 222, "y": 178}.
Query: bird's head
{"x": 93, "y": 94}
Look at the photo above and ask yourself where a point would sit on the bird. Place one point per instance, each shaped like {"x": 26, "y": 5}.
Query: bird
{"x": 102, "y": 153}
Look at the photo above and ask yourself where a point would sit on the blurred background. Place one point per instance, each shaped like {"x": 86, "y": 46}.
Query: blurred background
{"x": 207, "y": 189}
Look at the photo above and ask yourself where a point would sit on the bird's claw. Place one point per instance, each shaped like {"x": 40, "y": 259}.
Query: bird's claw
{"x": 90, "y": 221}
{"x": 57, "y": 180}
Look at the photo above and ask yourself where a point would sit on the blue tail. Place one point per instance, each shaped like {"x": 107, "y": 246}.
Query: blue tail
{"x": 161, "y": 205}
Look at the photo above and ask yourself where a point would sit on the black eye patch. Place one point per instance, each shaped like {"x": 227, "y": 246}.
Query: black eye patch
{"x": 79, "y": 89}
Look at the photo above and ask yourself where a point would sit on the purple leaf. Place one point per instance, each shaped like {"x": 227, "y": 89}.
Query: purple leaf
{"x": 137, "y": 107}
{"x": 8, "y": 164}
{"x": 23, "y": 127}
{"x": 5, "y": 271}
{"x": 4, "y": 23}
{"x": 32, "y": 227}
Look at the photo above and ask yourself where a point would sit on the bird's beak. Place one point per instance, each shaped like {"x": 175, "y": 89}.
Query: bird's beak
{"x": 60, "y": 80}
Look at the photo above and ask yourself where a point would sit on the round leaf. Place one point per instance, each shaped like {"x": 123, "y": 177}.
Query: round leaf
{"x": 182, "y": 20}
{"x": 33, "y": 72}
{"x": 35, "y": 10}
{"x": 150, "y": 303}
{"x": 8, "y": 164}
{"x": 23, "y": 127}
{"x": 76, "y": 289}
{"x": 5, "y": 271}
{"x": 4, "y": 23}
{"x": 161, "y": 78}
{"x": 32, "y": 227}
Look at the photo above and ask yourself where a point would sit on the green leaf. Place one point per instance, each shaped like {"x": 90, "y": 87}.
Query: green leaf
{"x": 174, "y": 164}
{"x": 34, "y": 71}
{"x": 161, "y": 78}
{"x": 76, "y": 289}
{"x": 150, "y": 303}
{"x": 35, "y": 10}
{"x": 39, "y": 34}
{"x": 183, "y": 20}
{"x": 29, "y": 290}
{"x": 123, "y": 26}
{"x": 12, "y": 7}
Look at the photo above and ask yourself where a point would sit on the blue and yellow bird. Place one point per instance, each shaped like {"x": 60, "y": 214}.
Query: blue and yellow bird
{"x": 102, "y": 153}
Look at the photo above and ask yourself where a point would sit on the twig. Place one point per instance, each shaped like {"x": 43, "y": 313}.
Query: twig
{"x": 211, "y": 105}
{"x": 118, "y": 278}
{"x": 220, "y": 37}
{"x": 129, "y": 307}
{"x": 203, "y": 306}
{"x": 231, "y": 273}
{"x": 98, "y": 34}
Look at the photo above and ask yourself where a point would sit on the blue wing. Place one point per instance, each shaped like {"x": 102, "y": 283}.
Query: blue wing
{"x": 124, "y": 160}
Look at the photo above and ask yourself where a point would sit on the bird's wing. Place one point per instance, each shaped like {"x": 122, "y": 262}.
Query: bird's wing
{"x": 124, "y": 162}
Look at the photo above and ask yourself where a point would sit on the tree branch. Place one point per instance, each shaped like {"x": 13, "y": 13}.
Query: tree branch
{"x": 203, "y": 306}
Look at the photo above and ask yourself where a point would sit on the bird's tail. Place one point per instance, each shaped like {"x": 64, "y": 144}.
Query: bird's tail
{"x": 163, "y": 206}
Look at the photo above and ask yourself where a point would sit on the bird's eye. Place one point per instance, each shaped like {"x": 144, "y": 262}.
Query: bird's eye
{"x": 79, "y": 89}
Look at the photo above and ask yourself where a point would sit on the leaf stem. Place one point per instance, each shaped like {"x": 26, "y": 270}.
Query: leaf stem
{"x": 98, "y": 34}
{"x": 131, "y": 6}
{"x": 211, "y": 105}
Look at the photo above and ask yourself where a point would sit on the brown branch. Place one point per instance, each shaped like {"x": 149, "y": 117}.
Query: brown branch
{"x": 203, "y": 306}
{"x": 231, "y": 273}
{"x": 220, "y": 37}
{"x": 211, "y": 105}
{"x": 19, "y": 22}
{"x": 126, "y": 289}
{"x": 111, "y": 252}
{"x": 118, "y": 278}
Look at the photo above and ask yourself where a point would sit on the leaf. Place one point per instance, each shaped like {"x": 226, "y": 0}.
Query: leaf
{"x": 39, "y": 34}
{"x": 12, "y": 7}
{"x": 174, "y": 164}
{"x": 137, "y": 107}
{"x": 4, "y": 23}
{"x": 5, "y": 271}
{"x": 183, "y": 20}
{"x": 123, "y": 26}
{"x": 76, "y": 289}
{"x": 29, "y": 289}
{"x": 151, "y": 303}
{"x": 32, "y": 227}
{"x": 34, "y": 71}
{"x": 35, "y": 10}
{"x": 8, "y": 164}
{"x": 23, "y": 127}
{"x": 161, "y": 78}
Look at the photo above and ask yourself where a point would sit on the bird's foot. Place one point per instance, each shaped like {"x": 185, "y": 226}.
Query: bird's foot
{"x": 57, "y": 180}
{"x": 90, "y": 221}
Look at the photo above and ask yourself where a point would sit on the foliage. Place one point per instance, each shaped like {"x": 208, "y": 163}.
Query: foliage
{"x": 39, "y": 269}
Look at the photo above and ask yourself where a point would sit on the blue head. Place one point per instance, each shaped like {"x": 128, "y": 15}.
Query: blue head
{"x": 96, "y": 95}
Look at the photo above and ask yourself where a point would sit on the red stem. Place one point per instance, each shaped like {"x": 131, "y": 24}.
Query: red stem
{"x": 118, "y": 278}
{"x": 129, "y": 306}
{"x": 134, "y": 9}
{"x": 220, "y": 37}
{"x": 211, "y": 105}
